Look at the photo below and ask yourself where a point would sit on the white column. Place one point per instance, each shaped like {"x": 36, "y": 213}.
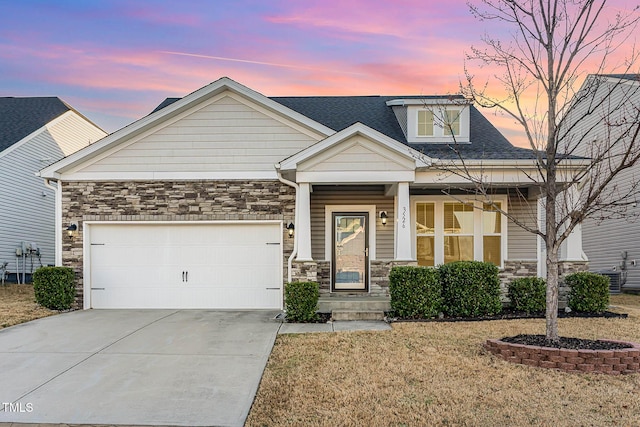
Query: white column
{"x": 403, "y": 224}
{"x": 303, "y": 227}
{"x": 571, "y": 248}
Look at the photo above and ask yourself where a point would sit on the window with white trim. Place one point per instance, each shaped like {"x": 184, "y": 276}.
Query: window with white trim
{"x": 458, "y": 232}
{"x": 448, "y": 231}
{"x": 445, "y": 122}
{"x": 425, "y": 234}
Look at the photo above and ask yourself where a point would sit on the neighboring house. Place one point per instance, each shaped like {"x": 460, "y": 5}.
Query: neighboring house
{"x": 34, "y": 132}
{"x": 216, "y": 199}
{"x": 613, "y": 244}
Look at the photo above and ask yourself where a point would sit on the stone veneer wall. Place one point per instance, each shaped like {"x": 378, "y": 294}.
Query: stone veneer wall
{"x": 171, "y": 201}
{"x": 320, "y": 271}
{"x": 515, "y": 269}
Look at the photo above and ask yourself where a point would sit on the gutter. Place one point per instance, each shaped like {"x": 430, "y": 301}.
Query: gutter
{"x": 295, "y": 236}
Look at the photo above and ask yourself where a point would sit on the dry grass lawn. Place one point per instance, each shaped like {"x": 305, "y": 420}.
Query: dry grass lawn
{"x": 18, "y": 305}
{"x": 433, "y": 374}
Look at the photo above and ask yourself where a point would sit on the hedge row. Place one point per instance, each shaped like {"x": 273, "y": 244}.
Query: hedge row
{"x": 464, "y": 288}
{"x": 472, "y": 289}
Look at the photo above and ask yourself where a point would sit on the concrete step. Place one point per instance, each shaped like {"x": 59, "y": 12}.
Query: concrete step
{"x": 329, "y": 304}
{"x": 357, "y": 315}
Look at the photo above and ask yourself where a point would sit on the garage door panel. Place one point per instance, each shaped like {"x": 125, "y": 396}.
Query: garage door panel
{"x": 186, "y": 266}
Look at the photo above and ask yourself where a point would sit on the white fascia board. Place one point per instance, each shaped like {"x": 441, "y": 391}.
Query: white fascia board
{"x": 292, "y": 162}
{"x": 350, "y": 177}
{"x": 172, "y": 176}
{"x": 520, "y": 163}
{"x": 403, "y": 102}
{"x": 154, "y": 119}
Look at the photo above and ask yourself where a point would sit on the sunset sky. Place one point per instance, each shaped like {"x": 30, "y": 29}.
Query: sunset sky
{"x": 116, "y": 60}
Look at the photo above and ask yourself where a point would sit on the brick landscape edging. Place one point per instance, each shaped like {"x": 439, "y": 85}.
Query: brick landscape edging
{"x": 612, "y": 362}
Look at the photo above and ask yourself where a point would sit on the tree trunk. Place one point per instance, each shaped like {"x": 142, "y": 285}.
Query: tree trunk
{"x": 552, "y": 294}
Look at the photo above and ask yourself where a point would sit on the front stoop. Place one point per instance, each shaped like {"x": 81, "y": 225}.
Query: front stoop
{"x": 354, "y": 307}
{"x": 357, "y": 315}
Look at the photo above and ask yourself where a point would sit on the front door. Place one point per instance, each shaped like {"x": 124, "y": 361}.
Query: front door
{"x": 350, "y": 251}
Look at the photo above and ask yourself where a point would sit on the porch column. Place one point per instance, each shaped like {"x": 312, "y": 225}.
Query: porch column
{"x": 303, "y": 227}
{"x": 403, "y": 224}
{"x": 571, "y": 249}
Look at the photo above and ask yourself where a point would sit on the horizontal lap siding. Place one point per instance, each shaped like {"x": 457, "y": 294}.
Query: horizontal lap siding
{"x": 373, "y": 196}
{"x": 28, "y": 206}
{"x": 226, "y": 135}
{"x": 522, "y": 245}
{"x": 604, "y": 241}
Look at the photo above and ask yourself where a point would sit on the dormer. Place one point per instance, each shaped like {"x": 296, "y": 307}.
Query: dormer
{"x": 433, "y": 120}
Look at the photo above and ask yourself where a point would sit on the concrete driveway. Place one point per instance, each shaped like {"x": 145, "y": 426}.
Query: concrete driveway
{"x": 153, "y": 367}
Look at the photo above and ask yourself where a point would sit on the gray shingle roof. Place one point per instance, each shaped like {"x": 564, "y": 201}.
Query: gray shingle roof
{"x": 340, "y": 112}
{"x": 21, "y": 116}
{"x": 635, "y": 77}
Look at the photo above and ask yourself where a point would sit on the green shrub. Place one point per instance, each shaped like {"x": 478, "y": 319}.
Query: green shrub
{"x": 54, "y": 287}
{"x": 301, "y": 301}
{"x": 528, "y": 294}
{"x": 470, "y": 288}
{"x": 589, "y": 292}
{"x": 415, "y": 291}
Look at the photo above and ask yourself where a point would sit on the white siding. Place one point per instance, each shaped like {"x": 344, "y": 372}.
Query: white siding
{"x": 27, "y": 205}
{"x": 603, "y": 241}
{"x": 228, "y": 134}
{"x": 357, "y": 154}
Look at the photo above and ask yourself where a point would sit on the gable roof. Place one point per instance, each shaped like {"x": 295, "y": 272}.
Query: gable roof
{"x": 20, "y": 117}
{"x": 175, "y": 108}
{"x": 340, "y": 112}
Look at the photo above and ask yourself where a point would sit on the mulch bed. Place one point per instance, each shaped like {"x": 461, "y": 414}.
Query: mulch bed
{"x": 505, "y": 315}
{"x": 565, "y": 342}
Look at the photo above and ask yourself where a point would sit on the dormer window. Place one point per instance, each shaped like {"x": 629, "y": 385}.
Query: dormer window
{"x": 439, "y": 121}
{"x": 433, "y": 120}
{"x": 425, "y": 123}
{"x": 452, "y": 122}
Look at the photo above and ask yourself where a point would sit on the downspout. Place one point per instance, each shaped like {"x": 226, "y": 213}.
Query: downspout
{"x": 295, "y": 220}
{"x": 58, "y": 219}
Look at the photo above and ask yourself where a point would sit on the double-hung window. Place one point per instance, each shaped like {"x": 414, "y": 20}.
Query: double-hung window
{"x": 439, "y": 122}
{"x": 448, "y": 231}
{"x": 425, "y": 234}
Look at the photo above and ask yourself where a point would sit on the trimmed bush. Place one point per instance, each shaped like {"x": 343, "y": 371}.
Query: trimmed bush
{"x": 54, "y": 287}
{"x": 589, "y": 292}
{"x": 470, "y": 288}
{"x": 528, "y": 294}
{"x": 301, "y": 301}
{"x": 415, "y": 291}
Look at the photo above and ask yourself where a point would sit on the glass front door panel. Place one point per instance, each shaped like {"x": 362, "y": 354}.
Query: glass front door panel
{"x": 350, "y": 252}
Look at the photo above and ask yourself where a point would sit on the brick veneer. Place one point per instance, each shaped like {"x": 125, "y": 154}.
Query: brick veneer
{"x": 612, "y": 362}
{"x": 170, "y": 201}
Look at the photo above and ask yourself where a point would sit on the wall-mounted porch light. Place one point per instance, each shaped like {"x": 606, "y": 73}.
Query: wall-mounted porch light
{"x": 383, "y": 217}
{"x": 290, "y": 229}
{"x": 71, "y": 230}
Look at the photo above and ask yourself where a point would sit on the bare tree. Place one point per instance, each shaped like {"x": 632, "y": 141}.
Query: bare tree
{"x": 581, "y": 138}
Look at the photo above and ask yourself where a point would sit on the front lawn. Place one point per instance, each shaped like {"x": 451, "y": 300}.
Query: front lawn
{"x": 18, "y": 305}
{"x": 437, "y": 374}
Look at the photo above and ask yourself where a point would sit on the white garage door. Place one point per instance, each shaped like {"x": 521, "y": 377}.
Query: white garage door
{"x": 235, "y": 265}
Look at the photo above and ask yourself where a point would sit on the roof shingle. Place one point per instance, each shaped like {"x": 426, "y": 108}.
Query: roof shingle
{"x": 21, "y": 116}
{"x": 340, "y": 112}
